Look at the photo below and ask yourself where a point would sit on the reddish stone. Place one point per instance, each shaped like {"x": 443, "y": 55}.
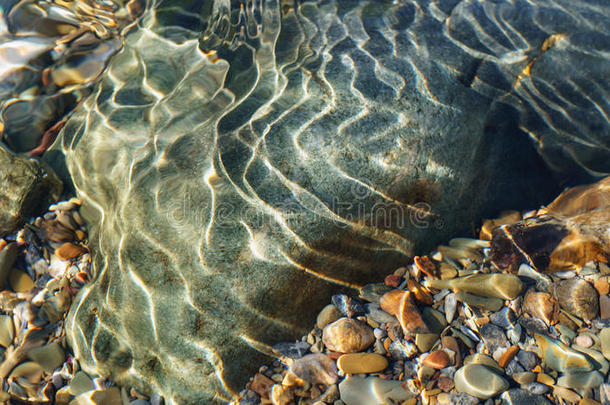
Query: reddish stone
{"x": 392, "y": 280}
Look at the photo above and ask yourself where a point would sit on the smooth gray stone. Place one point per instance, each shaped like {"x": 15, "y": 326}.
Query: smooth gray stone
{"x": 229, "y": 196}
{"x": 27, "y": 187}
{"x": 518, "y": 396}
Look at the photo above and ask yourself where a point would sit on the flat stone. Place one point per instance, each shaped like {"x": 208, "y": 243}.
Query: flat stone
{"x": 69, "y": 251}
{"x": 28, "y": 187}
{"x": 328, "y": 314}
{"x": 562, "y": 358}
{"x": 437, "y": 359}
{"x": 518, "y": 396}
{"x": 49, "y": 356}
{"x": 603, "y": 366}
{"x": 524, "y": 378}
{"x": 504, "y": 318}
{"x": 356, "y": 363}
{"x": 541, "y": 305}
{"x": 486, "y": 303}
{"x": 528, "y": 359}
{"x": 261, "y": 384}
{"x": 485, "y": 360}
{"x": 450, "y": 306}
{"x": 80, "y": 383}
{"x": 8, "y": 256}
{"x": 434, "y": 319}
{"x": 7, "y": 330}
{"x": 496, "y": 285}
{"x": 604, "y": 338}
{"x": 493, "y": 336}
{"x": 372, "y": 391}
{"x": 592, "y": 379}
{"x": 602, "y": 286}
{"x": 347, "y": 335}
{"x": 390, "y": 301}
{"x": 411, "y": 320}
{"x": 109, "y": 396}
{"x": 425, "y": 341}
{"x": 604, "y": 306}
{"x": 374, "y": 312}
{"x": 314, "y": 368}
{"x": 20, "y": 281}
{"x": 578, "y": 297}
{"x": 479, "y": 381}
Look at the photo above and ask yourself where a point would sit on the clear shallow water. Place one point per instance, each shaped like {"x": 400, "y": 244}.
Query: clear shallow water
{"x": 241, "y": 162}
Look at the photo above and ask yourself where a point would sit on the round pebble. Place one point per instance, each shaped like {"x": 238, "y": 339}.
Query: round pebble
{"x": 347, "y": 335}
{"x": 583, "y": 341}
{"x": 437, "y": 359}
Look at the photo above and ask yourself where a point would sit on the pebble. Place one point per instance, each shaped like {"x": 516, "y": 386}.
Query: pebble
{"x": 8, "y": 256}
{"x": 493, "y": 336}
{"x": 80, "y": 383}
{"x": 504, "y": 318}
{"x": 281, "y": 395}
{"x": 560, "y": 357}
{"x": 50, "y": 356}
{"x": 450, "y": 307}
{"x": 524, "y": 378}
{"x": 437, "y": 359}
{"x": 373, "y": 292}
{"x": 604, "y": 306}
{"x": 313, "y": 368}
{"x": 541, "y": 305}
{"x": 508, "y": 355}
{"x": 328, "y": 314}
{"x": 566, "y": 394}
{"x": 486, "y": 303}
{"x": 479, "y": 381}
{"x": 356, "y": 363}
{"x": 583, "y": 341}
{"x": 462, "y": 398}
{"x": 372, "y": 391}
{"x": 483, "y": 359}
{"x": 604, "y": 337}
{"x": 409, "y": 316}
{"x": 69, "y": 251}
{"x": 347, "y": 335}
{"x": 376, "y": 314}
{"x": 7, "y": 330}
{"x": 347, "y": 305}
{"x": 527, "y": 359}
{"x": 110, "y": 396}
{"x": 425, "y": 341}
{"x": 578, "y": 297}
{"x": 496, "y": 285}
{"x": 536, "y": 388}
{"x": 20, "y": 281}
{"x": 592, "y": 379}
{"x": 518, "y": 396}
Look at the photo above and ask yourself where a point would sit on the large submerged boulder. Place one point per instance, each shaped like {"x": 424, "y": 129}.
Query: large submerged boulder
{"x": 239, "y": 164}
{"x": 27, "y": 187}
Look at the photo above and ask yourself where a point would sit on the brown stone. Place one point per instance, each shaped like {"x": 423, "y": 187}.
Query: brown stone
{"x": 390, "y": 301}
{"x": 409, "y": 316}
{"x": 602, "y": 286}
{"x": 445, "y": 383}
{"x": 541, "y": 305}
{"x": 425, "y": 265}
{"x": 578, "y": 297}
{"x": 281, "y": 395}
{"x": 508, "y": 355}
{"x": 314, "y": 368}
{"x": 421, "y": 294}
{"x": 356, "y": 363}
{"x": 261, "y": 385}
{"x": 392, "y": 280}
{"x": 437, "y": 359}
{"x": 451, "y": 343}
{"x": 69, "y": 251}
{"x": 506, "y": 218}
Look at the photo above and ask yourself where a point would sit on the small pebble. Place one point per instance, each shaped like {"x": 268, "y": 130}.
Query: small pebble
{"x": 347, "y": 335}
{"x": 356, "y": 363}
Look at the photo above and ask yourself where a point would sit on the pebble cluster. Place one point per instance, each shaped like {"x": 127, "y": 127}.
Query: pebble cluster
{"x": 41, "y": 268}
{"x": 459, "y": 327}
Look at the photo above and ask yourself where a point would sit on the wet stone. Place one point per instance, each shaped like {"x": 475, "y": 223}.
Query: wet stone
{"x": 49, "y": 356}
{"x": 402, "y": 349}
{"x": 560, "y": 357}
{"x": 528, "y": 359}
{"x": 493, "y": 336}
{"x": 372, "y": 391}
{"x": 356, "y": 363}
{"x": 374, "y": 292}
{"x": 536, "y": 388}
{"x": 518, "y": 396}
{"x": 375, "y": 313}
{"x": 485, "y": 303}
{"x": 578, "y": 297}
{"x": 513, "y": 367}
{"x": 604, "y": 306}
{"x": 347, "y": 335}
{"x": 462, "y": 398}
{"x": 347, "y": 305}
{"x": 80, "y": 383}
{"x": 504, "y": 318}
{"x": 496, "y": 285}
{"x": 437, "y": 359}
{"x": 588, "y": 380}
{"x": 540, "y": 305}
{"x": 533, "y": 325}
{"x": 313, "y": 368}
{"x": 604, "y": 337}
{"x": 292, "y": 350}
{"x": 7, "y": 330}
{"x": 328, "y": 314}
{"x": 524, "y": 378}
{"x": 479, "y": 381}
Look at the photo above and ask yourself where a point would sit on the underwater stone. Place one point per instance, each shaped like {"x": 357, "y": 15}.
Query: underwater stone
{"x": 560, "y": 357}
{"x": 497, "y": 285}
{"x": 236, "y": 180}
{"x": 479, "y": 381}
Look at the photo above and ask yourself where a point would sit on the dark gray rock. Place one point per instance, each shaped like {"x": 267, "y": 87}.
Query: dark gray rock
{"x": 234, "y": 184}
{"x": 27, "y": 187}
{"x": 504, "y": 318}
{"x": 493, "y": 336}
{"x": 528, "y": 359}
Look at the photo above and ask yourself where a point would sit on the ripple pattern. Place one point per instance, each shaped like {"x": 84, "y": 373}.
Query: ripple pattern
{"x": 240, "y": 161}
